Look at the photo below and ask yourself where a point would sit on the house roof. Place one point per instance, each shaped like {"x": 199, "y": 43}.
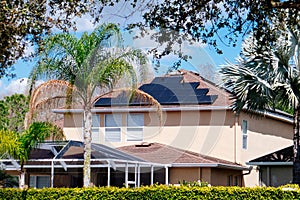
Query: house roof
{"x": 280, "y": 157}
{"x": 70, "y": 154}
{"x": 164, "y": 154}
{"x": 74, "y": 150}
{"x": 180, "y": 88}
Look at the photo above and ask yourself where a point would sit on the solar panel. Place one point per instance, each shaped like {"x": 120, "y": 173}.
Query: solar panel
{"x": 201, "y": 92}
{"x": 166, "y": 90}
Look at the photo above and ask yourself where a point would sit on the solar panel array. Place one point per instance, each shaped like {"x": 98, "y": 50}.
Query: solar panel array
{"x": 167, "y": 91}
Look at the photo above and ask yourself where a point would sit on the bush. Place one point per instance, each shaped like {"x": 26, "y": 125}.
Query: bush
{"x": 151, "y": 192}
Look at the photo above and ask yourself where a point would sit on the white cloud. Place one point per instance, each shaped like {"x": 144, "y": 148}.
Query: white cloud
{"x": 18, "y": 86}
{"x": 84, "y": 23}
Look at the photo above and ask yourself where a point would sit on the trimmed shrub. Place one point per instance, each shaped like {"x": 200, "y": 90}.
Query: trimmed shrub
{"x": 152, "y": 192}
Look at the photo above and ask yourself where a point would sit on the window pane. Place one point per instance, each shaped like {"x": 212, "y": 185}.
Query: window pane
{"x": 113, "y": 120}
{"x": 245, "y": 126}
{"x": 39, "y": 181}
{"x": 135, "y": 120}
{"x": 32, "y": 182}
{"x": 95, "y": 120}
{"x": 113, "y": 134}
{"x": 245, "y": 141}
{"x": 43, "y": 181}
{"x": 134, "y": 134}
{"x": 95, "y": 135}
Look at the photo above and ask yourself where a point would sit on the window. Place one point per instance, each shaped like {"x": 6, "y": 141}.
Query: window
{"x": 236, "y": 181}
{"x": 39, "y": 181}
{"x": 95, "y": 121}
{"x": 245, "y": 134}
{"x": 135, "y": 123}
{"x": 95, "y": 128}
{"x": 113, "y": 124}
{"x": 229, "y": 180}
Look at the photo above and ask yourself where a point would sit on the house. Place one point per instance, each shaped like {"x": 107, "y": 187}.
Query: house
{"x": 198, "y": 136}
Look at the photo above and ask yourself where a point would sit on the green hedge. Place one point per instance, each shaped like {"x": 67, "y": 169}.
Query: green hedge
{"x": 152, "y": 192}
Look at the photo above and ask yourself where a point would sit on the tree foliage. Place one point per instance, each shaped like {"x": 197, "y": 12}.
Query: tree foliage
{"x": 25, "y": 23}
{"x": 14, "y": 145}
{"x": 267, "y": 76}
{"x": 19, "y": 145}
{"x": 216, "y": 21}
{"x": 12, "y": 112}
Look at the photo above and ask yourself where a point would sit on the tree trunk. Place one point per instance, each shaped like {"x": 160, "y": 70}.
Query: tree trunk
{"x": 22, "y": 179}
{"x": 87, "y": 118}
{"x": 296, "y": 161}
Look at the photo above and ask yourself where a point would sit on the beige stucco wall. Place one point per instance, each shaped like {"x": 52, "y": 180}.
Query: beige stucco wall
{"x": 221, "y": 176}
{"x": 213, "y": 176}
{"x": 189, "y": 174}
{"x": 265, "y": 135}
{"x": 213, "y": 133}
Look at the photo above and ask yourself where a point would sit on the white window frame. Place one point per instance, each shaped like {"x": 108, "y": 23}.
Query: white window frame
{"x": 245, "y": 134}
{"x": 135, "y": 131}
{"x": 114, "y": 128}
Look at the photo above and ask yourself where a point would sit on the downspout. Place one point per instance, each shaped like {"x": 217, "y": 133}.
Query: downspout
{"x": 247, "y": 173}
{"x": 236, "y": 118}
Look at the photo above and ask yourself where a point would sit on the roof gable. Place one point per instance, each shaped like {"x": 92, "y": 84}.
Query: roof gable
{"x": 282, "y": 155}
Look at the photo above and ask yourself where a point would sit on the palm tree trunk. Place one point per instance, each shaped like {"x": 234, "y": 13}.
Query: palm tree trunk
{"x": 87, "y": 118}
{"x": 296, "y": 161}
{"x": 22, "y": 178}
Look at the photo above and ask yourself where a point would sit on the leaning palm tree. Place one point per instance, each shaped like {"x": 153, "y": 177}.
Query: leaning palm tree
{"x": 83, "y": 68}
{"x": 265, "y": 78}
{"x": 18, "y": 146}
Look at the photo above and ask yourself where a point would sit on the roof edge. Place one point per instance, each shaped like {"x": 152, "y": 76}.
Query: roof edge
{"x": 269, "y": 163}
{"x": 128, "y": 109}
{"x": 216, "y": 165}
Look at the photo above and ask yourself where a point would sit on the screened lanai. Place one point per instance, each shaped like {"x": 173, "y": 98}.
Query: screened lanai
{"x": 60, "y": 164}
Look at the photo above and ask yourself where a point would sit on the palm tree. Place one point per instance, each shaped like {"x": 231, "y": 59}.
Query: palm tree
{"x": 265, "y": 78}
{"x": 19, "y": 145}
{"x": 84, "y": 67}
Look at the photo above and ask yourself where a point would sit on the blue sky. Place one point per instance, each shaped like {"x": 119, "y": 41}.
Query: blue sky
{"x": 202, "y": 55}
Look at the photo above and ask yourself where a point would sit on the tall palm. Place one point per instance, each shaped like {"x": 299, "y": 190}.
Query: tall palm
{"x": 19, "y": 145}
{"x": 84, "y": 66}
{"x": 264, "y": 78}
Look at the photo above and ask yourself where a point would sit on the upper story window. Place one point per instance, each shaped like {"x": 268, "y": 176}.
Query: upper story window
{"x": 245, "y": 134}
{"x": 135, "y": 123}
{"x": 95, "y": 121}
{"x": 113, "y": 124}
{"x": 96, "y": 128}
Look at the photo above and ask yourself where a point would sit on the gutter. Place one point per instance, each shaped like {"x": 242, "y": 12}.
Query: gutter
{"x": 283, "y": 117}
{"x": 270, "y": 163}
{"x": 142, "y": 109}
{"x": 216, "y": 165}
